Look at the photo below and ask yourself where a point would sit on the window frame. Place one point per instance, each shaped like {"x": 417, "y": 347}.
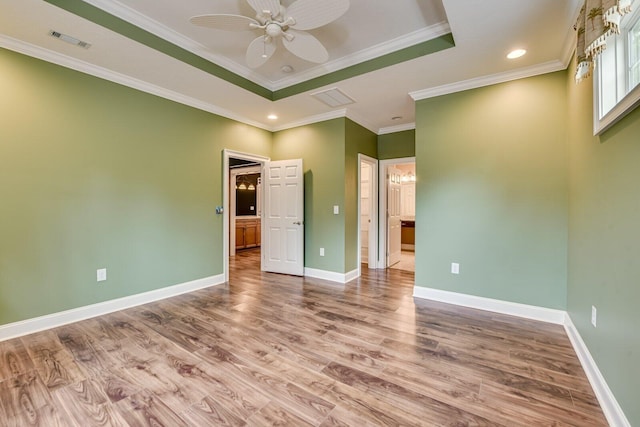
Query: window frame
{"x": 627, "y": 99}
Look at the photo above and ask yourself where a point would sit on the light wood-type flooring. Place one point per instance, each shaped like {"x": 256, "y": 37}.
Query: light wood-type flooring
{"x": 407, "y": 261}
{"x": 268, "y": 349}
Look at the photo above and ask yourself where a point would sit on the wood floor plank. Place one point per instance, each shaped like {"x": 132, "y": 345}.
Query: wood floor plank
{"x": 407, "y": 400}
{"x": 15, "y": 359}
{"x": 270, "y": 349}
{"x": 26, "y": 401}
{"x": 56, "y": 366}
{"x": 211, "y": 412}
{"x": 145, "y": 409}
{"x": 87, "y": 405}
{"x": 275, "y": 415}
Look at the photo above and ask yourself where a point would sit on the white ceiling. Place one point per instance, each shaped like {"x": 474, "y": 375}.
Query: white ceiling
{"x": 484, "y": 32}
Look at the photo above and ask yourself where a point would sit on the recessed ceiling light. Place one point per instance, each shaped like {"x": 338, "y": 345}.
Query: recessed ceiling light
{"x": 286, "y": 69}
{"x": 516, "y": 53}
{"x": 272, "y": 117}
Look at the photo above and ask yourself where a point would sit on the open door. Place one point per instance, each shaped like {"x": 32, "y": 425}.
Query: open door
{"x": 283, "y": 220}
{"x": 394, "y": 223}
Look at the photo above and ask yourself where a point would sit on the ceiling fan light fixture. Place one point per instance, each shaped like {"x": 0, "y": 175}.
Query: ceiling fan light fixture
{"x": 289, "y": 23}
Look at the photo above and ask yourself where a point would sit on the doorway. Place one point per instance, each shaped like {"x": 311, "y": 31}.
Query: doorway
{"x": 281, "y": 220}
{"x": 245, "y": 205}
{"x": 397, "y": 214}
{"x": 367, "y": 212}
{"x": 242, "y": 229}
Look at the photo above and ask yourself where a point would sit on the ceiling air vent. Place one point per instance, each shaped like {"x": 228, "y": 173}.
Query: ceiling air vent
{"x": 69, "y": 39}
{"x": 333, "y": 97}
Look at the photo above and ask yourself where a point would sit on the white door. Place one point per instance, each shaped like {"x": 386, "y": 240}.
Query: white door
{"x": 365, "y": 211}
{"x": 394, "y": 224}
{"x": 283, "y": 221}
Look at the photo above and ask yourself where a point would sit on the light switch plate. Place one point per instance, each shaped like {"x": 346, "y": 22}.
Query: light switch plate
{"x": 101, "y": 274}
{"x": 336, "y": 209}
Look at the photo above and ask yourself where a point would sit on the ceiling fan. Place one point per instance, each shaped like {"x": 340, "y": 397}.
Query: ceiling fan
{"x": 276, "y": 21}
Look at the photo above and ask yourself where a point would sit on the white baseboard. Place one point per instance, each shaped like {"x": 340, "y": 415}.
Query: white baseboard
{"x": 608, "y": 403}
{"x": 533, "y": 312}
{"x": 331, "y": 275}
{"x": 37, "y": 324}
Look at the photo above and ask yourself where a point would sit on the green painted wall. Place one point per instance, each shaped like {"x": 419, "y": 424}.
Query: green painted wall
{"x": 604, "y": 243}
{"x": 329, "y": 151}
{"x": 491, "y": 191}
{"x": 397, "y": 145}
{"x": 321, "y": 148}
{"x": 357, "y": 140}
{"x": 94, "y": 174}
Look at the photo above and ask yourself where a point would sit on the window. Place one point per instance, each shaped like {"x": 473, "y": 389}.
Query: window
{"x": 617, "y": 79}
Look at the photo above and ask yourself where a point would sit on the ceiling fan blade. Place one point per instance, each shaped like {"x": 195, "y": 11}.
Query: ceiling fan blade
{"x": 306, "y": 46}
{"x": 259, "y": 52}
{"x": 224, "y": 22}
{"x": 310, "y": 14}
{"x": 260, "y": 6}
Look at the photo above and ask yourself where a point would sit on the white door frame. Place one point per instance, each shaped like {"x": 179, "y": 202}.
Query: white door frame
{"x": 226, "y": 154}
{"x": 373, "y": 191}
{"x": 382, "y": 211}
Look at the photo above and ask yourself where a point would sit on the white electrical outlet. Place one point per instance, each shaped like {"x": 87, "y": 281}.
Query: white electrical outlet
{"x": 101, "y": 274}
{"x": 455, "y": 268}
{"x": 594, "y": 316}
{"x": 321, "y": 251}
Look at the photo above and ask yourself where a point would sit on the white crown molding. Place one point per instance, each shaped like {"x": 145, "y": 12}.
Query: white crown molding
{"x": 569, "y": 45}
{"x": 526, "y": 311}
{"x": 612, "y": 410}
{"x": 331, "y": 276}
{"x": 396, "y": 128}
{"x": 134, "y": 17}
{"x": 336, "y": 114}
{"x": 106, "y": 74}
{"x": 362, "y": 121}
{"x": 390, "y": 46}
{"x": 521, "y": 73}
{"x": 37, "y": 324}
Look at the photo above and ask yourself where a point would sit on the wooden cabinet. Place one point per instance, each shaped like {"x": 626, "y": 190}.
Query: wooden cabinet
{"x": 248, "y": 233}
{"x": 408, "y": 234}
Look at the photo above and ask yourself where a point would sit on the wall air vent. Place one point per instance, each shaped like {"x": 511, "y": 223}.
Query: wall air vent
{"x": 333, "y": 97}
{"x": 69, "y": 39}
